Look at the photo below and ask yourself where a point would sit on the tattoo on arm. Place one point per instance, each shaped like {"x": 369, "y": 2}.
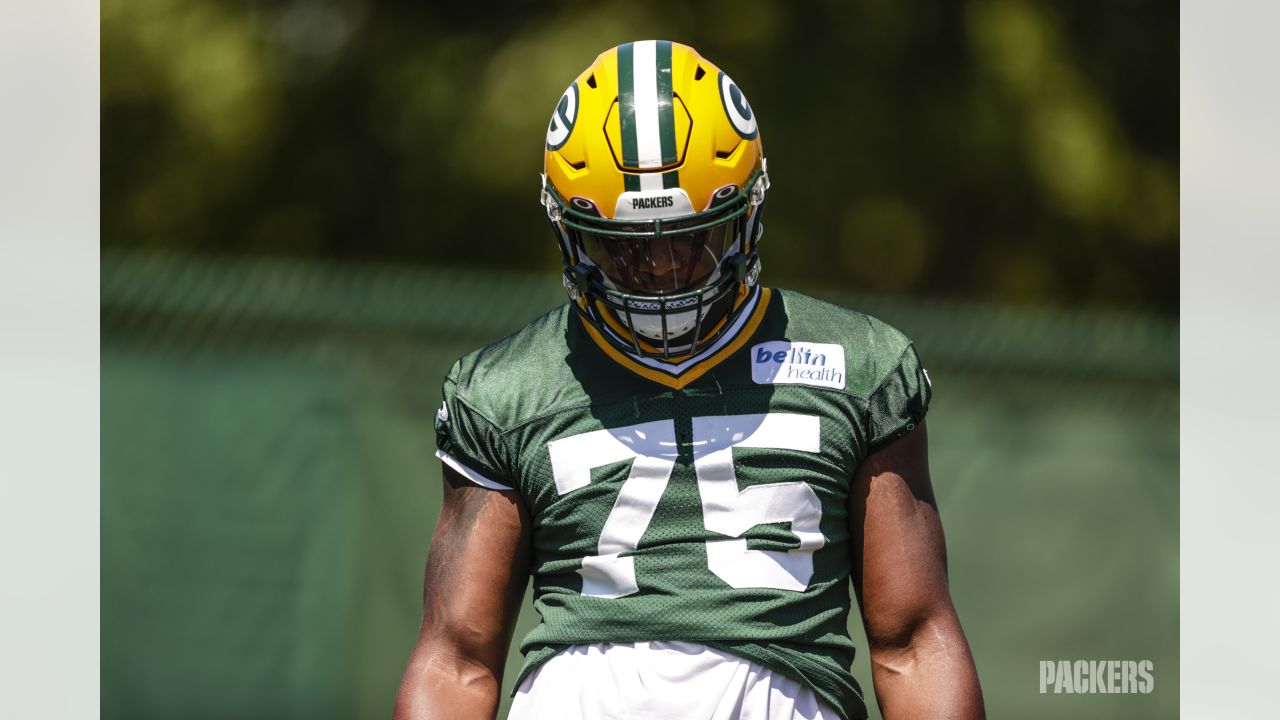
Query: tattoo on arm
{"x": 462, "y": 507}
{"x": 476, "y": 571}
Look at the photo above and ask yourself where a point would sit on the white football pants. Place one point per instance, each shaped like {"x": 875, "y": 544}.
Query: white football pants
{"x": 660, "y": 681}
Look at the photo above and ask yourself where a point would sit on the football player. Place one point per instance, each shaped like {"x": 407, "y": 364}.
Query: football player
{"x": 691, "y": 466}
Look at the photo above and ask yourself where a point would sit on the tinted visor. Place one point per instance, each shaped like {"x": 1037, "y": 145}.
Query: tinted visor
{"x": 673, "y": 262}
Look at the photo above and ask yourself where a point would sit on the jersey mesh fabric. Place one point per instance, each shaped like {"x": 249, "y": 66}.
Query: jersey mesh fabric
{"x": 508, "y": 403}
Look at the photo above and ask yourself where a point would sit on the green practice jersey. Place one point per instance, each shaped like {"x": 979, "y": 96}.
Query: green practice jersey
{"x": 700, "y": 500}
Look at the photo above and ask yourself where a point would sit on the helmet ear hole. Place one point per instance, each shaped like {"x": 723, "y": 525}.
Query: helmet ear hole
{"x": 591, "y": 81}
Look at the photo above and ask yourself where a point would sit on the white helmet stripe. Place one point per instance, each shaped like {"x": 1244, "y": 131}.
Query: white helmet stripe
{"x": 645, "y": 77}
{"x": 649, "y": 181}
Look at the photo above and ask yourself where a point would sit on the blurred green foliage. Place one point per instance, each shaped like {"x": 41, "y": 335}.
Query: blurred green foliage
{"x": 999, "y": 149}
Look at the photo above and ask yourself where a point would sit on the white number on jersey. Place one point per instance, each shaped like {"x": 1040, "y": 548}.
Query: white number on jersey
{"x": 726, "y": 509}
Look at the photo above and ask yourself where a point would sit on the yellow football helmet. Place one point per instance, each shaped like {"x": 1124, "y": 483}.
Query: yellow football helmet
{"x": 654, "y": 182}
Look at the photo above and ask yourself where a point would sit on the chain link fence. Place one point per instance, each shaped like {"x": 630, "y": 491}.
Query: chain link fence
{"x": 269, "y": 489}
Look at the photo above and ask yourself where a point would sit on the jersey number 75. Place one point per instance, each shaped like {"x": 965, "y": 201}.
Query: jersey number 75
{"x": 726, "y": 509}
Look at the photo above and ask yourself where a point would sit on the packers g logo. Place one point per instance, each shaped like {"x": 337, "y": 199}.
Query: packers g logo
{"x": 566, "y": 113}
{"x": 737, "y": 108}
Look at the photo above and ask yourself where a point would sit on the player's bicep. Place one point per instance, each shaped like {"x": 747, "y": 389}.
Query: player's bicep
{"x": 476, "y": 572}
{"x": 899, "y": 555}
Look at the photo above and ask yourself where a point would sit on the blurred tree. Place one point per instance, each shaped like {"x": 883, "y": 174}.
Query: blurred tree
{"x": 1001, "y": 149}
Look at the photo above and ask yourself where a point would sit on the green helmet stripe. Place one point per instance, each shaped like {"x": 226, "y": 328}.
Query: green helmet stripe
{"x": 670, "y": 179}
{"x": 627, "y": 105}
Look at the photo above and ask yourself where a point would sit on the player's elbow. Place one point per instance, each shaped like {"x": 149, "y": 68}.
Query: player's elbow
{"x": 901, "y": 642}
{"x": 440, "y": 682}
{"x": 457, "y": 664}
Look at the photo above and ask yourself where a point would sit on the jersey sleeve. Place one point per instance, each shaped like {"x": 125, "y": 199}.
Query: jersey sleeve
{"x": 899, "y": 402}
{"x": 471, "y": 443}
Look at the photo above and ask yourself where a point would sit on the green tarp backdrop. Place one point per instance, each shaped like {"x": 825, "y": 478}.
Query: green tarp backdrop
{"x": 269, "y": 489}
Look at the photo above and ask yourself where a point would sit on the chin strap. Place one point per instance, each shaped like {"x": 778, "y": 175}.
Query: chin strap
{"x": 745, "y": 270}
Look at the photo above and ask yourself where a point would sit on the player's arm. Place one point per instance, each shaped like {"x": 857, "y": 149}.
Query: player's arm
{"x": 476, "y": 574}
{"x": 920, "y": 661}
